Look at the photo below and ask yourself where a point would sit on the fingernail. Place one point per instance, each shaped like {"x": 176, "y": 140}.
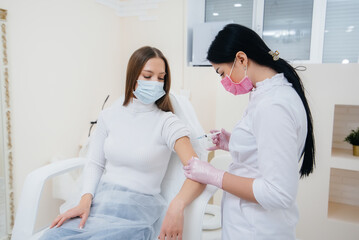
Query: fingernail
{"x": 81, "y": 227}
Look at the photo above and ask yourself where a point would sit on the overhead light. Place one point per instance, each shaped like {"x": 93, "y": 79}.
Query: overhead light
{"x": 345, "y": 61}
{"x": 279, "y": 33}
{"x": 349, "y": 29}
{"x": 215, "y": 14}
{"x": 237, "y": 5}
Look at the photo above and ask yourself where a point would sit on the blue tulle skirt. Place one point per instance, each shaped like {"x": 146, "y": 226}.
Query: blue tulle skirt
{"x": 116, "y": 213}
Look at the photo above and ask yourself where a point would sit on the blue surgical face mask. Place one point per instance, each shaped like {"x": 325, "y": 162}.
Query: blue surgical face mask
{"x": 149, "y": 91}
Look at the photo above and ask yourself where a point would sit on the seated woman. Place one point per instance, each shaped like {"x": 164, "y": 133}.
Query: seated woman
{"x": 127, "y": 160}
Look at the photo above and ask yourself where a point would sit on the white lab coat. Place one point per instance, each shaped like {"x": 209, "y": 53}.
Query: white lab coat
{"x": 266, "y": 144}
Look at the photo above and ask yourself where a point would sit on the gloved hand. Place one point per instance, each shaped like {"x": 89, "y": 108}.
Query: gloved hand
{"x": 203, "y": 172}
{"x": 220, "y": 140}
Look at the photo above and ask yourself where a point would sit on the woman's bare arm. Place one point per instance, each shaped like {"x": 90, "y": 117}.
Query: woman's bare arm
{"x": 173, "y": 223}
{"x": 190, "y": 189}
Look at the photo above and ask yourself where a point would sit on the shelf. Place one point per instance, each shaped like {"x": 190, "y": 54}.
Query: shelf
{"x": 344, "y": 159}
{"x": 343, "y": 212}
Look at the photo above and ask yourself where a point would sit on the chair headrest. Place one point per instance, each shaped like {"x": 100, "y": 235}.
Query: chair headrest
{"x": 184, "y": 110}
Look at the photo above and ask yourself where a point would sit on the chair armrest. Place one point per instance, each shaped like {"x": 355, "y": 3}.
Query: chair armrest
{"x": 31, "y": 193}
{"x": 194, "y": 214}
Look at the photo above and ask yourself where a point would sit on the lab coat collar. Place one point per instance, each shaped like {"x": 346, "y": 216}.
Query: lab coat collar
{"x": 266, "y": 84}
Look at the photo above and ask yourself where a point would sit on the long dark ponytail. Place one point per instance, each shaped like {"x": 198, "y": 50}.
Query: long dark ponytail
{"x": 234, "y": 38}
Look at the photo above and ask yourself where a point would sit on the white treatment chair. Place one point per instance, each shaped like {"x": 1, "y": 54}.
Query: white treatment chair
{"x": 212, "y": 220}
{"x": 29, "y": 202}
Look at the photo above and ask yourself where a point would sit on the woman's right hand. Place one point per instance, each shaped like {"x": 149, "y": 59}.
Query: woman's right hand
{"x": 221, "y": 140}
{"x": 82, "y": 210}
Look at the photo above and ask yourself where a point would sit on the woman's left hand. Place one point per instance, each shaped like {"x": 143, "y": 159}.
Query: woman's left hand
{"x": 172, "y": 225}
{"x": 203, "y": 172}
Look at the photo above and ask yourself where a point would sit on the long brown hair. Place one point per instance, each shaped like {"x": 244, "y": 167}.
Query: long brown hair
{"x": 135, "y": 65}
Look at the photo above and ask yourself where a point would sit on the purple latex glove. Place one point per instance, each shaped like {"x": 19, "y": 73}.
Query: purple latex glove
{"x": 203, "y": 172}
{"x": 220, "y": 140}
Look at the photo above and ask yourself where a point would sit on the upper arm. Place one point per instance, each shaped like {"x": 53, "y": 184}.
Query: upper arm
{"x": 275, "y": 131}
{"x": 173, "y": 129}
{"x": 96, "y": 147}
{"x": 95, "y": 158}
{"x": 184, "y": 149}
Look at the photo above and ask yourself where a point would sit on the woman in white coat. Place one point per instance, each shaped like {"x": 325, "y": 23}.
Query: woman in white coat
{"x": 266, "y": 145}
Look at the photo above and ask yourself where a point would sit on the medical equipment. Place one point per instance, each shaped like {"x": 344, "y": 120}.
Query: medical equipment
{"x": 209, "y": 135}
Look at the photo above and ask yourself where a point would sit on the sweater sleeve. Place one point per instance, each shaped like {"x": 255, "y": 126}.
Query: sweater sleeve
{"x": 275, "y": 130}
{"x": 95, "y": 158}
{"x": 173, "y": 129}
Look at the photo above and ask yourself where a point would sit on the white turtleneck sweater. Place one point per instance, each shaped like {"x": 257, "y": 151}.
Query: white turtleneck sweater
{"x": 131, "y": 147}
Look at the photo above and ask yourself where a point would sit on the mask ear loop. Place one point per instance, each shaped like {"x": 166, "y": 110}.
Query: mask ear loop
{"x": 245, "y": 71}
{"x": 230, "y": 73}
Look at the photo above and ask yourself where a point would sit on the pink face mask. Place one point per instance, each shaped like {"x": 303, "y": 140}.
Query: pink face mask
{"x": 243, "y": 87}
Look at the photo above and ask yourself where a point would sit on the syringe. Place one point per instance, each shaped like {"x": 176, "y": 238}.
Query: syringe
{"x": 208, "y": 135}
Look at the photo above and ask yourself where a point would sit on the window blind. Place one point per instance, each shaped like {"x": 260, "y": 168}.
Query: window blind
{"x": 238, "y": 11}
{"x": 287, "y": 26}
{"x": 341, "y": 35}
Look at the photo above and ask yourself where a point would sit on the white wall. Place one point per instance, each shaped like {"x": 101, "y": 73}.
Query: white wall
{"x": 327, "y": 85}
{"x": 64, "y": 58}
